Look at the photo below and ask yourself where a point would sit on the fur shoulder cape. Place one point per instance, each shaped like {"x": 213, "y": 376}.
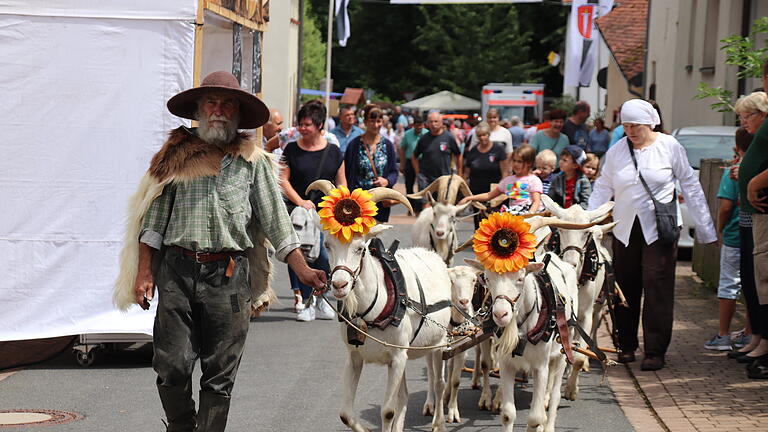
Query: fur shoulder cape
{"x": 185, "y": 157}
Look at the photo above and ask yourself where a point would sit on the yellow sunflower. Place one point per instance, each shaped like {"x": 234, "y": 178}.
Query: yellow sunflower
{"x": 343, "y": 213}
{"x": 503, "y": 244}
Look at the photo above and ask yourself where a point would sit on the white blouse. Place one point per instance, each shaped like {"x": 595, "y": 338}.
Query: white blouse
{"x": 661, "y": 163}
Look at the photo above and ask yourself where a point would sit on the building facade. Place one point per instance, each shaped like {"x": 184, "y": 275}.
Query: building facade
{"x": 281, "y": 57}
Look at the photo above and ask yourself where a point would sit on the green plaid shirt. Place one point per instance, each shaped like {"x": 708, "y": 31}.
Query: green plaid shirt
{"x": 211, "y": 214}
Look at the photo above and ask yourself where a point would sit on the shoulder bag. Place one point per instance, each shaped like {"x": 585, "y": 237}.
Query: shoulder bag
{"x": 385, "y": 202}
{"x": 666, "y": 213}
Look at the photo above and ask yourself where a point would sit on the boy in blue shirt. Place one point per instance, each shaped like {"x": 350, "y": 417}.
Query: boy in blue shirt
{"x": 728, "y": 229}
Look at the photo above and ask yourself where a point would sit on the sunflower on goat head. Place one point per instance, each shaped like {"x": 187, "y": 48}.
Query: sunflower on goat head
{"x": 344, "y": 213}
{"x": 503, "y": 242}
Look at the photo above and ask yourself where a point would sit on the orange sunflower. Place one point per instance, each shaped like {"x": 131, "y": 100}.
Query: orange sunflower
{"x": 503, "y": 244}
{"x": 343, "y": 213}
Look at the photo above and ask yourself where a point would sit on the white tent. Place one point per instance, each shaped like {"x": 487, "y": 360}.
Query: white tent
{"x": 444, "y": 101}
{"x": 84, "y": 85}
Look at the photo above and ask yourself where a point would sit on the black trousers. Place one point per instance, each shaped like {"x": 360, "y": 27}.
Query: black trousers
{"x": 650, "y": 270}
{"x": 410, "y": 181}
{"x": 202, "y": 314}
{"x": 758, "y": 314}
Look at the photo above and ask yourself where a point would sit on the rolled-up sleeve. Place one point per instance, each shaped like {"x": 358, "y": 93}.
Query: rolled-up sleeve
{"x": 156, "y": 219}
{"x": 269, "y": 210}
{"x": 693, "y": 194}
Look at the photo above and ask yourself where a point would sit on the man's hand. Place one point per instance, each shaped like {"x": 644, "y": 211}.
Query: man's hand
{"x": 308, "y": 276}
{"x": 144, "y": 287}
{"x": 760, "y": 203}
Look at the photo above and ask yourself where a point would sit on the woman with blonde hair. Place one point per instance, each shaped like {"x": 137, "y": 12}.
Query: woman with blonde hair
{"x": 752, "y": 111}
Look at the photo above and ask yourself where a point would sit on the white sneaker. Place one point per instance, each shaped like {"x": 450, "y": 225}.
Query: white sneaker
{"x": 307, "y": 314}
{"x": 324, "y": 310}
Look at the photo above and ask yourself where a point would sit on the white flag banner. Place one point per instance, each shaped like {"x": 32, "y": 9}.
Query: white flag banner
{"x": 582, "y": 40}
{"x": 342, "y": 21}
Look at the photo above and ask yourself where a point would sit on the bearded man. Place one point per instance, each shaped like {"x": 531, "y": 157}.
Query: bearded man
{"x": 202, "y": 221}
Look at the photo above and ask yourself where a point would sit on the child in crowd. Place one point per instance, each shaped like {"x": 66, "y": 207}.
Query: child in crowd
{"x": 523, "y": 188}
{"x": 728, "y": 230}
{"x": 591, "y": 167}
{"x": 546, "y": 162}
{"x": 570, "y": 186}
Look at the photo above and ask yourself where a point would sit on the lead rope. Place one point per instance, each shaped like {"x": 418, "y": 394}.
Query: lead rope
{"x": 387, "y": 344}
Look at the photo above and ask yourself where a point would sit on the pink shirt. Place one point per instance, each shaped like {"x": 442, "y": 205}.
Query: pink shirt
{"x": 519, "y": 189}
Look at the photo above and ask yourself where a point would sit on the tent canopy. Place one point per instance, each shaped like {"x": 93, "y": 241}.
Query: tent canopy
{"x": 444, "y": 100}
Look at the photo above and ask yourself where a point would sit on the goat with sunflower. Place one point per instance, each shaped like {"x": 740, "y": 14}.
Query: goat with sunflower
{"x": 527, "y": 296}
{"x": 406, "y": 314}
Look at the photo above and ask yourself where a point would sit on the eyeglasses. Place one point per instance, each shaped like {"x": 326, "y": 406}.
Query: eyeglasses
{"x": 744, "y": 117}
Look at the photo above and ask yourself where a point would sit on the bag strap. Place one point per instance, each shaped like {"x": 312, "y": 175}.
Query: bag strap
{"x": 322, "y": 159}
{"x": 370, "y": 157}
{"x": 642, "y": 180}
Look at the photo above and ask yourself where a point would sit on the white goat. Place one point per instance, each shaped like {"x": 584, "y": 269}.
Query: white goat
{"x": 514, "y": 295}
{"x": 573, "y": 245}
{"x": 435, "y": 228}
{"x": 361, "y": 286}
{"x": 463, "y": 280}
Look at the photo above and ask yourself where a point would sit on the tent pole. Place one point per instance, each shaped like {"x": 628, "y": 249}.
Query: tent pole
{"x": 329, "y": 43}
{"x": 197, "y": 61}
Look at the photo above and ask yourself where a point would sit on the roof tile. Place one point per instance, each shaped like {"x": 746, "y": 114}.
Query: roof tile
{"x": 624, "y": 30}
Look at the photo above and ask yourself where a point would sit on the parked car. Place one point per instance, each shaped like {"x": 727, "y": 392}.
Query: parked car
{"x": 702, "y": 142}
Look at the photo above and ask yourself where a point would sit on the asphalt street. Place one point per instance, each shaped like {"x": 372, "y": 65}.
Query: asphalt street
{"x": 289, "y": 380}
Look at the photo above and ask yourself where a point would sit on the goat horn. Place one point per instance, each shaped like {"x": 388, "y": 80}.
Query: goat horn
{"x": 453, "y": 188}
{"x": 543, "y": 214}
{"x": 465, "y": 245}
{"x": 498, "y": 200}
{"x": 442, "y": 189}
{"x": 420, "y": 194}
{"x": 382, "y": 193}
{"x": 323, "y": 186}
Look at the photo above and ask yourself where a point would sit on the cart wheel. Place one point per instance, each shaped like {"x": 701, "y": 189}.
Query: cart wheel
{"x": 86, "y": 359}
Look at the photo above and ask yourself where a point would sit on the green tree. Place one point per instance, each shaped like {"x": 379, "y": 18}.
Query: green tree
{"x": 742, "y": 52}
{"x": 313, "y": 61}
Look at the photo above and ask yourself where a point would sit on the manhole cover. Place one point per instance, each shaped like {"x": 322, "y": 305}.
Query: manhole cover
{"x": 33, "y": 417}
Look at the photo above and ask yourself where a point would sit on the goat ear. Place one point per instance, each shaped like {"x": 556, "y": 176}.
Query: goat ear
{"x": 475, "y": 264}
{"x": 431, "y": 199}
{"x": 534, "y": 267}
{"x": 378, "y": 229}
{"x": 551, "y": 205}
{"x": 607, "y": 227}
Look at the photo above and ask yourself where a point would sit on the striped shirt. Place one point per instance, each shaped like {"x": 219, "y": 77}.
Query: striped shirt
{"x": 212, "y": 214}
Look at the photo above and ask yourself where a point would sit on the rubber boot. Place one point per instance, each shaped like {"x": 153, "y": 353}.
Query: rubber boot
{"x": 179, "y": 407}
{"x": 212, "y": 415}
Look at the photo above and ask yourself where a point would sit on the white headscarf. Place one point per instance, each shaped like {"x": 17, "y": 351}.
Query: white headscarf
{"x": 638, "y": 111}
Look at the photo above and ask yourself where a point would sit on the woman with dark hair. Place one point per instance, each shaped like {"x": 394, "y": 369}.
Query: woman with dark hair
{"x": 552, "y": 138}
{"x": 310, "y": 158}
{"x": 659, "y": 127}
{"x": 599, "y": 138}
{"x": 371, "y": 159}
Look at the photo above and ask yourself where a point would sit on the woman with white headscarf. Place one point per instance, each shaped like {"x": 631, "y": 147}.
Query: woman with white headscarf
{"x": 642, "y": 260}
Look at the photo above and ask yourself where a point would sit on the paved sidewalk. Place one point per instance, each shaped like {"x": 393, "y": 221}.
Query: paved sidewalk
{"x": 698, "y": 390}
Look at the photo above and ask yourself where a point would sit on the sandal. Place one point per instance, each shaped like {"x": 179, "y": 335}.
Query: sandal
{"x": 298, "y": 302}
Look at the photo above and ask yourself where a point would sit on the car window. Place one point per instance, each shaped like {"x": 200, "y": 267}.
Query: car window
{"x": 700, "y": 147}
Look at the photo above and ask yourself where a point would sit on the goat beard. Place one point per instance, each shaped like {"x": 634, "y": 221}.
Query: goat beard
{"x": 509, "y": 338}
{"x": 219, "y": 136}
{"x": 350, "y": 304}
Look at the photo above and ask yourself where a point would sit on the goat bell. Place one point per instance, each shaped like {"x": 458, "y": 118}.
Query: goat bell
{"x": 356, "y": 337}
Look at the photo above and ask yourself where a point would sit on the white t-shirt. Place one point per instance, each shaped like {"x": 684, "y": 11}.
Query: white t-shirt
{"x": 500, "y": 135}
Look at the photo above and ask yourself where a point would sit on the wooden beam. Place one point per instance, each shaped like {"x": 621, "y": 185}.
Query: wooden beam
{"x": 232, "y": 16}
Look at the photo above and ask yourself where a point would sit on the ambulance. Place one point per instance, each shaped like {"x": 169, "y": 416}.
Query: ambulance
{"x": 525, "y": 101}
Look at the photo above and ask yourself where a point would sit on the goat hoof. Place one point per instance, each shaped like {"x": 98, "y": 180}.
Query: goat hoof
{"x": 453, "y": 416}
{"x": 570, "y": 394}
{"x": 428, "y": 409}
{"x": 585, "y": 367}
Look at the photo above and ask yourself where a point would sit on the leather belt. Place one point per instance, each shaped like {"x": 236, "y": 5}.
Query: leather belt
{"x": 205, "y": 257}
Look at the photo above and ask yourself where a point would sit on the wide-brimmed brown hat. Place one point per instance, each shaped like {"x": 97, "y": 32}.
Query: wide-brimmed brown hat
{"x": 253, "y": 112}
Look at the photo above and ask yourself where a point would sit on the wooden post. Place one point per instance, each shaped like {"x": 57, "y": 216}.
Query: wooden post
{"x": 705, "y": 260}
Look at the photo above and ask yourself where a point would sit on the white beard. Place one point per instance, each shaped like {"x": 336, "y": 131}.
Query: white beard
{"x": 217, "y": 135}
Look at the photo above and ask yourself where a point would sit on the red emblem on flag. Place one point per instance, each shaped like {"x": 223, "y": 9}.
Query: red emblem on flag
{"x": 586, "y": 14}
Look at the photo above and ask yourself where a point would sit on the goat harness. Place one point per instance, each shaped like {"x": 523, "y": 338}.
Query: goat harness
{"x": 397, "y": 295}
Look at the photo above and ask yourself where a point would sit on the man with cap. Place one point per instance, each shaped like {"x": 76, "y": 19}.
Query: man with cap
{"x": 202, "y": 220}
{"x": 570, "y": 186}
